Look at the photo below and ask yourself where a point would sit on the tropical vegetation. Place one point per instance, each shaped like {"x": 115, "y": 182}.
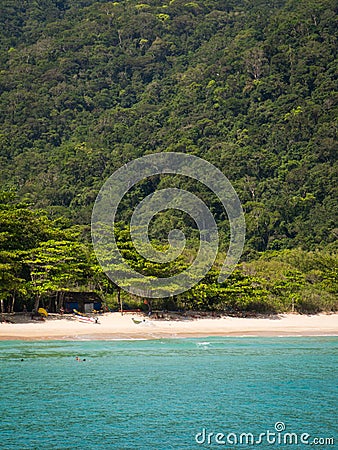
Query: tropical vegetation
{"x": 87, "y": 86}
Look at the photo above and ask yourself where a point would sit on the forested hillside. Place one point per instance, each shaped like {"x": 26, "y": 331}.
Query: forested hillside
{"x": 249, "y": 85}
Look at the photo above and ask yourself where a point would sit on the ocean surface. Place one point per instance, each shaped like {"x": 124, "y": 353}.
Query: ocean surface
{"x": 241, "y": 392}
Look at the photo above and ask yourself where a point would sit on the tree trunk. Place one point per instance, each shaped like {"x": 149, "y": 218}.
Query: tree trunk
{"x": 56, "y": 301}
{"x": 36, "y": 304}
{"x": 150, "y": 307}
{"x": 61, "y": 297}
{"x": 119, "y": 301}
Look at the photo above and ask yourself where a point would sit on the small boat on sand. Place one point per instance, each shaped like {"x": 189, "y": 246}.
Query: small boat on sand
{"x": 85, "y": 319}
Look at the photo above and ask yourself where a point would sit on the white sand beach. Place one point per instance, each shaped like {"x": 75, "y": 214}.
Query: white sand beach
{"x": 133, "y": 326}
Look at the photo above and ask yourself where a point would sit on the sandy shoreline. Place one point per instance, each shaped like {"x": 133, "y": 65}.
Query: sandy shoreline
{"x": 115, "y": 326}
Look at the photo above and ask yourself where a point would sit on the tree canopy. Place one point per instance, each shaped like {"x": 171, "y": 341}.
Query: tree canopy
{"x": 250, "y": 86}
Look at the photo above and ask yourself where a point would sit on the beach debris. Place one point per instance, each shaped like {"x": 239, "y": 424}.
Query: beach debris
{"x": 137, "y": 322}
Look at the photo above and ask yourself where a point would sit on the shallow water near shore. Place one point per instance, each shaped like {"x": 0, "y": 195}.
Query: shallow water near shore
{"x": 167, "y": 394}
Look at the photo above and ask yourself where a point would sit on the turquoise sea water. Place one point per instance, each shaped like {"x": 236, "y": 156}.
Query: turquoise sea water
{"x": 163, "y": 394}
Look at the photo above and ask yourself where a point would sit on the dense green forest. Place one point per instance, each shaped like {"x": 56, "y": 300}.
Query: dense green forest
{"x": 248, "y": 85}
